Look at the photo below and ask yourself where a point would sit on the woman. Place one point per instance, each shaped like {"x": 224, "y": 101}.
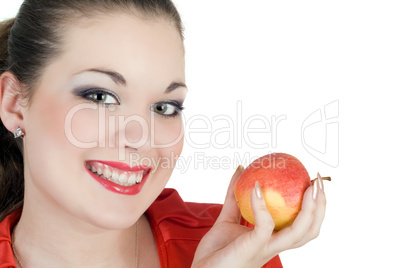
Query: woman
{"x": 91, "y": 98}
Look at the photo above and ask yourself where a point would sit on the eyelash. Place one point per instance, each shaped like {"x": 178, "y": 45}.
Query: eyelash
{"x": 85, "y": 94}
{"x": 178, "y": 107}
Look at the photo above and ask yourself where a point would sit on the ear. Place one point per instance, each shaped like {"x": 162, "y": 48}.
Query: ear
{"x": 10, "y": 102}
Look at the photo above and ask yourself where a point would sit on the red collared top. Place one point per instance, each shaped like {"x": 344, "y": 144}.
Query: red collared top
{"x": 177, "y": 226}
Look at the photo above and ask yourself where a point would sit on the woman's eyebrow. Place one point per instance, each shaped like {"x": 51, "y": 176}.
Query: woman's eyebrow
{"x": 173, "y": 86}
{"x": 119, "y": 79}
{"x": 116, "y": 77}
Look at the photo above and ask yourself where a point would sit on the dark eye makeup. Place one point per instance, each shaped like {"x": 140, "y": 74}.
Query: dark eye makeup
{"x": 98, "y": 96}
{"x": 168, "y": 108}
{"x": 165, "y": 108}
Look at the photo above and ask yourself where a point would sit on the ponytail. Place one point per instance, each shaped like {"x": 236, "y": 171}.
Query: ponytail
{"x": 5, "y": 27}
{"x": 11, "y": 161}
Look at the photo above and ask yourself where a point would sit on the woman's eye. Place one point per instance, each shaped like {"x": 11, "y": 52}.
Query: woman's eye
{"x": 101, "y": 97}
{"x": 164, "y": 108}
{"x": 167, "y": 109}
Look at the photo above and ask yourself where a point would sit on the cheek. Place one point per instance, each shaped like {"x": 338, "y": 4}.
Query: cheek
{"x": 51, "y": 159}
{"x": 81, "y": 125}
{"x": 53, "y": 122}
{"x": 45, "y": 125}
{"x": 169, "y": 137}
{"x": 168, "y": 133}
{"x": 166, "y": 142}
{"x": 58, "y": 132}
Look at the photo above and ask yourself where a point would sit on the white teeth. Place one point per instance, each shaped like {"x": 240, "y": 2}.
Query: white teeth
{"x": 107, "y": 173}
{"x": 123, "y": 178}
{"x": 139, "y": 177}
{"x": 132, "y": 179}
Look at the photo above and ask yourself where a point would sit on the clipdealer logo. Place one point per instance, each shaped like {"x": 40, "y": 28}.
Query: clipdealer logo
{"x": 320, "y": 134}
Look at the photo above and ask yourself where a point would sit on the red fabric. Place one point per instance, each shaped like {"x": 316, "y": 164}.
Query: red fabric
{"x": 177, "y": 227}
{"x": 6, "y": 252}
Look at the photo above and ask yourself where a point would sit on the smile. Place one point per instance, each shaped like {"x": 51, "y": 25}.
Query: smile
{"x": 118, "y": 177}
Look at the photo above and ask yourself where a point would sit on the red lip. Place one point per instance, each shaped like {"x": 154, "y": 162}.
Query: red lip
{"x": 120, "y": 189}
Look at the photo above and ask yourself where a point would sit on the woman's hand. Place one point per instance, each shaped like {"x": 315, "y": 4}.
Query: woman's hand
{"x": 229, "y": 244}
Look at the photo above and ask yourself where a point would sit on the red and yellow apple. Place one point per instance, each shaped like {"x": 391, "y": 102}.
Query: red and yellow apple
{"x": 283, "y": 180}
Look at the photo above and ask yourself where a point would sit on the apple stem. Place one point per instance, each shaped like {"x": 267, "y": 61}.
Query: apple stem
{"x": 323, "y": 178}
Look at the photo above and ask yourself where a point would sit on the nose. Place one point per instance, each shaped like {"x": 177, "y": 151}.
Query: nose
{"x": 134, "y": 133}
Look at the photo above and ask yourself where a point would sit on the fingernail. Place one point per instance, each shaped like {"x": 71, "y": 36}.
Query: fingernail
{"x": 258, "y": 191}
{"x": 315, "y": 189}
{"x": 240, "y": 168}
{"x": 320, "y": 182}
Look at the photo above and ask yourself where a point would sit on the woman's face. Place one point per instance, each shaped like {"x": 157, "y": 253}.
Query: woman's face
{"x": 112, "y": 97}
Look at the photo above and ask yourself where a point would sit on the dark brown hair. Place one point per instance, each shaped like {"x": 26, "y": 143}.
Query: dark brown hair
{"x": 29, "y": 42}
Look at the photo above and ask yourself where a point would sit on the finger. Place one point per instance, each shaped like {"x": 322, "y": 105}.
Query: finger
{"x": 293, "y": 235}
{"x": 264, "y": 224}
{"x": 315, "y": 228}
{"x": 230, "y": 211}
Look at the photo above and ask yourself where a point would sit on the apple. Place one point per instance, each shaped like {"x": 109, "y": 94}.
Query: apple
{"x": 283, "y": 180}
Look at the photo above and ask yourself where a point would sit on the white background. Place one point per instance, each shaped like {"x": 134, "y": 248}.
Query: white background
{"x": 292, "y": 58}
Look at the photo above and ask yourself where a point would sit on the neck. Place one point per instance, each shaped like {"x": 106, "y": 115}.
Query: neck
{"x": 43, "y": 240}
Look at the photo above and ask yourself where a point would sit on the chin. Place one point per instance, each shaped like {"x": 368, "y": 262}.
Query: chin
{"x": 112, "y": 220}
{"x": 114, "y": 211}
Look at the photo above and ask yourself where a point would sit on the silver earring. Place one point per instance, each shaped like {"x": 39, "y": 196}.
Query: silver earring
{"x": 18, "y": 133}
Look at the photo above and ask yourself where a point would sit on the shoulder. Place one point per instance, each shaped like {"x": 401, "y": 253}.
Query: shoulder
{"x": 6, "y": 253}
{"x": 169, "y": 212}
{"x": 178, "y": 226}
